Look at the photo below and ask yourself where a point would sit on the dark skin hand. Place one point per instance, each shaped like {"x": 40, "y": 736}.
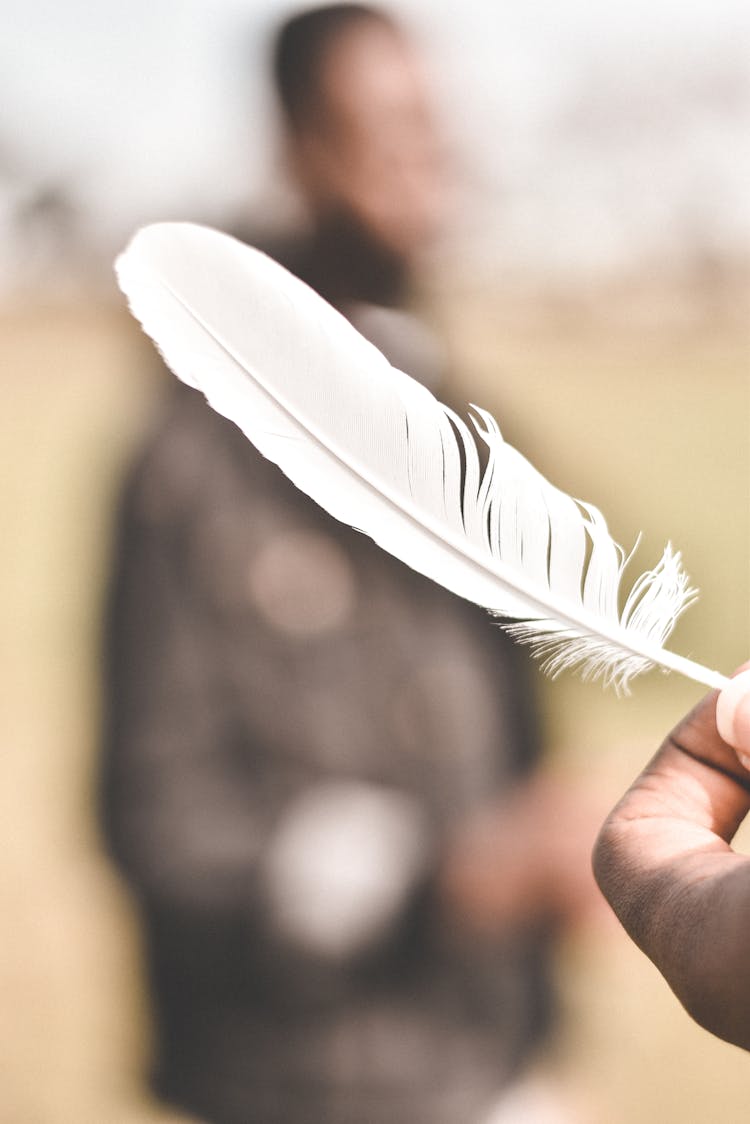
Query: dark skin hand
{"x": 664, "y": 862}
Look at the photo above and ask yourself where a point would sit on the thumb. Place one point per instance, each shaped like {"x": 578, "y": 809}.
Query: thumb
{"x": 733, "y": 715}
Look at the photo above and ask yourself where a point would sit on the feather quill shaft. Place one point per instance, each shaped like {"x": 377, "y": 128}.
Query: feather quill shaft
{"x": 378, "y": 451}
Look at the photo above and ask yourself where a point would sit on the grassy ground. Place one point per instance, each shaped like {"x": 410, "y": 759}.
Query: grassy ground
{"x": 652, "y": 423}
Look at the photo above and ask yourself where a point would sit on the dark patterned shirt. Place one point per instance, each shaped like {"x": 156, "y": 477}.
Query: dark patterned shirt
{"x": 262, "y": 659}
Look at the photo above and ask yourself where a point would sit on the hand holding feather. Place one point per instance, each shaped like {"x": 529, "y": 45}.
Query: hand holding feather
{"x": 378, "y": 451}
{"x": 665, "y": 863}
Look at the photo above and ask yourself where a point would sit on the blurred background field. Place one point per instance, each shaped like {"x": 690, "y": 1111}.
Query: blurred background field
{"x": 624, "y": 375}
{"x": 652, "y": 423}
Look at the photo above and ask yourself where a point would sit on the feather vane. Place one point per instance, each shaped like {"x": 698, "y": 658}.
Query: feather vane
{"x": 378, "y": 451}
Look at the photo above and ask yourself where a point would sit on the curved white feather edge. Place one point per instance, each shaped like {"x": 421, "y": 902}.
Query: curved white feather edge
{"x": 378, "y": 451}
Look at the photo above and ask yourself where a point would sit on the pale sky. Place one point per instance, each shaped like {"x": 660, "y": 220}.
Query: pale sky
{"x": 591, "y": 133}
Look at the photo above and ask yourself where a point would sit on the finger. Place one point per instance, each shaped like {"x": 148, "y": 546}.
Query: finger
{"x": 696, "y": 776}
{"x": 699, "y": 775}
{"x": 688, "y": 801}
{"x": 733, "y": 715}
{"x": 691, "y": 797}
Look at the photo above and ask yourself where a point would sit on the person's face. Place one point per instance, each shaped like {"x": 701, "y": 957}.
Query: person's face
{"x": 374, "y": 149}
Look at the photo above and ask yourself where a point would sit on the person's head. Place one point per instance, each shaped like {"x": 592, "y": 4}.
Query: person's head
{"x": 361, "y": 135}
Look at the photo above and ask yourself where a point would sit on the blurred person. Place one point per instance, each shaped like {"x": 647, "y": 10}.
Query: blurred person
{"x": 365, "y": 153}
{"x": 319, "y": 769}
{"x": 665, "y": 862}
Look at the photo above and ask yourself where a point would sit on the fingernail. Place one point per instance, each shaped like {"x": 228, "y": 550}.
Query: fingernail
{"x": 733, "y": 715}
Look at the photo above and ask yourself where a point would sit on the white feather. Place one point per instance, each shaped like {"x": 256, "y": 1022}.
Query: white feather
{"x": 378, "y": 451}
